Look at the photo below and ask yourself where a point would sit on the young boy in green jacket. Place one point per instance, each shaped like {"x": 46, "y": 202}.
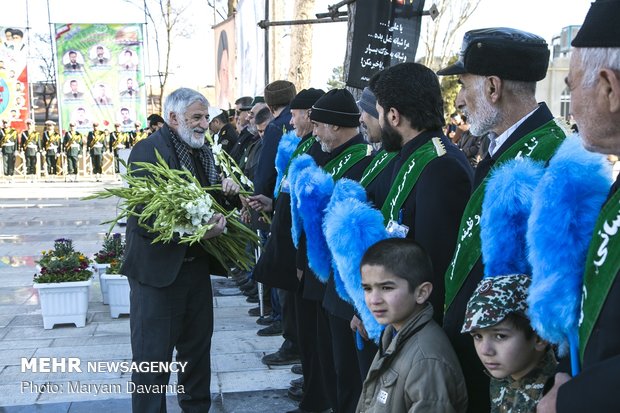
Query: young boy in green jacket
{"x": 415, "y": 369}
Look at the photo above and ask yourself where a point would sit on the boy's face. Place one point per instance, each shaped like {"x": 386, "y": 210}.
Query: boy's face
{"x": 388, "y": 297}
{"x": 504, "y": 350}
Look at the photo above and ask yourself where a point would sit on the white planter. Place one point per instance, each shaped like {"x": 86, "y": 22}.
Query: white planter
{"x": 118, "y": 293}
{"x": 63, "y": 303}
{"x": 101, "y": 269}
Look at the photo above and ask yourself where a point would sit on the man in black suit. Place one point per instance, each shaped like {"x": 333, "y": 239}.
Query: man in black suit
{"x": 171, "y": 298}
{"x": 498, "y": 70}
{"x": 594, "y": 82}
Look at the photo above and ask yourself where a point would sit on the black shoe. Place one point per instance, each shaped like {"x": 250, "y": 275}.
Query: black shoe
{"x": 252, "y": 299}
{"x": 250, "y": 292}
{"x": 296, "y": 369}
{"x": 273, "y": 330}
{"x": 295, "y": 393}
{"x": 255, "y": 312}
{"x": 299, "y": 382}
{"x": 265, "y": 320}
{"x": 248, "y": 286}
{"x": 280, "y": 358}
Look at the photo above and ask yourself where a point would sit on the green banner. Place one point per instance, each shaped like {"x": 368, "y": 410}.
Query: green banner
{"x": 101, "y": 75}
{"x": 602, "y": 266}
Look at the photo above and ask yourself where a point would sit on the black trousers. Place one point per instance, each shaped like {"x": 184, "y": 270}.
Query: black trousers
{"x": 50, "y": 160}
{"x": 289, "y": 321}
{"x": 72, "y": 165}
{"x": 178, "y": 316}
{"x": 96, "y": 160}
{"x": 9, "y": 163}
{"x": 31, "y": 165}
{"x": 315, "y": 386}
{"x": 343, "y": 355}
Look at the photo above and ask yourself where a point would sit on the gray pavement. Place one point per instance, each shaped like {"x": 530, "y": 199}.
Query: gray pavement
{"x": 32, "y": 215}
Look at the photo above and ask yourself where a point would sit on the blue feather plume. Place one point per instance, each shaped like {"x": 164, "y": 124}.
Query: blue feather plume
{"x": 286, "y": 147}
{"x": 313, "y": 189}
{"x": 565, "y": 208}
{"x": 343, "y": 190}
{"x": 297, "y": 165}
{"x": 505, "y": 210}
{"x": 351, "y": 226}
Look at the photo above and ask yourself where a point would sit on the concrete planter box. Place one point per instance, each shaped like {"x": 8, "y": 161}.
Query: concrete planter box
{"x": 101, "y": 269}
{"x": 64, "y": 303}
{"x": 118, "y": 293}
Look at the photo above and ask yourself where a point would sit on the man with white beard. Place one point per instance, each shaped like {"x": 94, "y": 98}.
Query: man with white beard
{"x": 498, "y": 69}
{"x": 171, "y": 299}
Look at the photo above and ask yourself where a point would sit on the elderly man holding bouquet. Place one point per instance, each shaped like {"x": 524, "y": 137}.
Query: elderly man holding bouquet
{"x": 171, "y": 296}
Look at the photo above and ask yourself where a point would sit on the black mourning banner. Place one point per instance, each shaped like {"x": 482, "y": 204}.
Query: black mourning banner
{"x": 386, "y": 33}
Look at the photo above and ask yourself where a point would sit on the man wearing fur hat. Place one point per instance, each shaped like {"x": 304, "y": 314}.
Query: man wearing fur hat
{"x": 278, "y": 95}
{"x": 594, "y": 81}
{"x": 498, "y": 69}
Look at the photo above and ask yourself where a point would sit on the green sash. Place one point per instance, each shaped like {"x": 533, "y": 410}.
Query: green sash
{"x": 468, "y": 249}
{"x": 408, "y": 175}
{"x": 378, "y": 164}
{"x": 602, "y": 266}
{"x": 302, "y": 148}
{"x": 347, "y": 159}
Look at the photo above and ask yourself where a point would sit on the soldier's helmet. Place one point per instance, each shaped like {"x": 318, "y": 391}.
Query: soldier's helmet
{"x": 494, "y": 299}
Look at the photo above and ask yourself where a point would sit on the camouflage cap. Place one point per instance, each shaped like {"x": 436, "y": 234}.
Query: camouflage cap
{"x": 494, "y": 299}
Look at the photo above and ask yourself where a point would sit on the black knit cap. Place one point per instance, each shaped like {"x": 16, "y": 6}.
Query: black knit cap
{"x": 306, "y": 98}
{"x": 279, "y": 93}
{"x": 600, "y": 28}
{"x": 336, "y": 107}
{"x": 510, "y": 54}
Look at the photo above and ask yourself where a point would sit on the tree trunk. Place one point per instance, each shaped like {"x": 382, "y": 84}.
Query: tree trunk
{"x": 300, "y": 68}
{"x": 277, "y": 70}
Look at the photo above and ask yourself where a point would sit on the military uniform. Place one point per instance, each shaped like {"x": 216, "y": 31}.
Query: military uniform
{"x": 96, "y": 145}
{"x": 51, "y": 143}
{"x": 73, "y": 148}
{"x": 493, "y": 300}
{"x": 8, "y": 140}
{"x": 118, "y": 140}
{"x": 227, "y": 137}
{"x": 30, "y": 145}
{"x": 136, "y": 136}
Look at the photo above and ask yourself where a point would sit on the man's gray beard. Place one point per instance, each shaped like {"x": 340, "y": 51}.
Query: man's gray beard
{"x": 487, "y": 117}
{"x": 187, "y": 135}
{"x": 324, "y": 147}
{"x": 252, "y": 129}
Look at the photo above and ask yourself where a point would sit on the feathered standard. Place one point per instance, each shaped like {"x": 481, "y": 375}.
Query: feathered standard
{"x": 286, "y": 147}
{"x": 344, "y": 190}
{"x": 505, "y": 211}
{"x": 297, "y": 165}
{"x": 565, "y": 207}
{"x": 312, "y": 189}
{"x": 351, "y": 226}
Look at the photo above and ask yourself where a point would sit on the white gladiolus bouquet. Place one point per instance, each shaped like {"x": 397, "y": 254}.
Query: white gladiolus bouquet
{"x": 172, "y": 204}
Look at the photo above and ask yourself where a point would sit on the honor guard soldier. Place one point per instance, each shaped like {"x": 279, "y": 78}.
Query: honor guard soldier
{"x": 118, "y": 140}
{"x": 8, "y": 140}
{"x": 30, "y": 144}
{"x": 51, "y": 144}
{"x": 138, "y": 134}
{"x": 73, "y": 148}
{"x": 96, "y": 145}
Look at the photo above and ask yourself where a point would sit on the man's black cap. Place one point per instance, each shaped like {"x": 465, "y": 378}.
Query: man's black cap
{"x": 600, "y": 28}
{"x": 510, "y": 54}
{"x": 257, "y": 99}
{"x": 306, "y": 98}
{"x": 336, "y": 107}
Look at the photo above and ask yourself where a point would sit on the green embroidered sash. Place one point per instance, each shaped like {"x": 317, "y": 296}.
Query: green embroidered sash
{"x": 468, "y": 249}
{"x": 347, "y": 159}
{"x": 602, "y": 266}
{"x": 378, "y": 164}
{"x": 302, "y": 148}
{"x": 408, "y": 175}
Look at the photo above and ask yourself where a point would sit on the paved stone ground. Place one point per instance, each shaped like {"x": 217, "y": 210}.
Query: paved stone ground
{"x": 32, "y": 216}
